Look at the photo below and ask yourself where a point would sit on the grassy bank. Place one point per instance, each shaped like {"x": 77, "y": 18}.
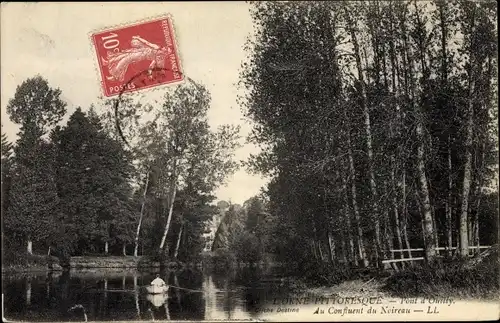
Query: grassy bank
{"x": 26, "y": 262}
{"x": 125, "y": 262}
{"x": 464, "y": 278}
{"x": 476, "y": 278}
{"x": 32, "y": 263}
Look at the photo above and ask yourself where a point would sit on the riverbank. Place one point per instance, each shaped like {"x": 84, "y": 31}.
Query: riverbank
{"x": 31, "y": 263}
{"x": 378, "y": 288}
{"x": 120, "y": 262}
{"x": 451, "y": 280}
{"x": 463, "y": 278}
{"x": 36, "y": 263}
{"x": 86, "y": 262}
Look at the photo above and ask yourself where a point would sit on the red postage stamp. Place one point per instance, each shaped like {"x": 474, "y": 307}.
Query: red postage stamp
{"x": 137, "y": 56}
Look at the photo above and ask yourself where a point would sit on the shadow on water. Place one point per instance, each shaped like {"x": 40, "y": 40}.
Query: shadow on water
{"x": 104, "y": 295}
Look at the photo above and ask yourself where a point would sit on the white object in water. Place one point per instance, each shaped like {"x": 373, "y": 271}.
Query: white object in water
{"x": 155, "y": 289}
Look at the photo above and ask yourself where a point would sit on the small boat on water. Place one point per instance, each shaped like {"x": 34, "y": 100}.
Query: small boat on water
{"x": 155, "y": 289}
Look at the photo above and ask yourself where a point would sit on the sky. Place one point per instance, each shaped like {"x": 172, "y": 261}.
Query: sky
{"x": 52, "y": 39}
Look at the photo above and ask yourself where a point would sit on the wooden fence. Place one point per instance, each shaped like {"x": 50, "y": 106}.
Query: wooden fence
{"x": 388, "y": 261}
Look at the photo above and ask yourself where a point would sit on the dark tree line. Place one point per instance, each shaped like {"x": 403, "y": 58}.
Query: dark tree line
{"x": 377, "y": 125}
{"x": 78, "y": 189}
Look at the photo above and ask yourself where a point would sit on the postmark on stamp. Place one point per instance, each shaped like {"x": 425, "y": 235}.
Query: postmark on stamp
{"x": 127, "y": 51}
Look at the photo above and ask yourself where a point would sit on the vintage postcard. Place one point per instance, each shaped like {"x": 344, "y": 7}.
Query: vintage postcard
{"x": 250, "y": 161}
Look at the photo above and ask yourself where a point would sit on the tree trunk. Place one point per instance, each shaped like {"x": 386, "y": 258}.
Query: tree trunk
{"x": 381, "y": 54}
{"x": 313, "y": 248}
{"x": 321, "y": 256}
{"x": 347, "y": 215}
{"x": 30, "y": 246}
{"x": 357, "y": 216}
{"x": 463, "y": 233}
{"x": 143, "y": 206}
{"x": 476, "y": 231}
{"x": 331, "y": 248}
{"x": 444, "y": 84}
{"x": 106, "y": 247}
{"x": 178, "y": 241}
{"x": 425, "y": 203}
{"x": 430, "y": 247}
{"x": 124, "y": 249}
{"x": 469, "y": 128}
{"x": 434, "y": 223}
{"x": 407, "y": 84}
{"x": 425, "y": 237}
{"x": 478, "y": 194}
{"x": 388, "y": 234}
{"x": 368, "y": 137}
{"x": 329, "y": 239}
{"x": 396, "y": 217}
{"x": 388, "y": 231}
{"x": 405, "y": 216}
{"x": 396, "y": 83}
{"x": 448, "y": 206}
{"x": 169, "y": 219}
{"x": 344, "y": 252}
{"x": 469, "y": 228}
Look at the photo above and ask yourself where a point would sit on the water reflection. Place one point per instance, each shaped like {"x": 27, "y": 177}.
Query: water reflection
{"x": 120, "y": 295}
{"x": 157, "y": 300}
{"x": 28, "y": 291}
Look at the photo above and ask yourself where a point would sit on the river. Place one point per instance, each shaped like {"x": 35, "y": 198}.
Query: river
{"x": 104, "y": 295}
{"x": 243, "y": 294}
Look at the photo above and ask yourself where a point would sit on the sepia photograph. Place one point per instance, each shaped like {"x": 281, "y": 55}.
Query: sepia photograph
{"x": 250, "y": 161}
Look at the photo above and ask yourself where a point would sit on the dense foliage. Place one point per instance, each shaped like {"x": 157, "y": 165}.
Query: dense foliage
{"x": 78, "y": 188}
{"x": 377, "y": 126}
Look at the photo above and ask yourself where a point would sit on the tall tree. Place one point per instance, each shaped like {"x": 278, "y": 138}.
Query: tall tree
{"x": 93, "y": 183}
{"x": 361, "y": 82}
{"x": 353, "y": 28}
{"x": 37, "y": 108}
{"x": 179, "y": 142}
{"x": 6, "y": 150}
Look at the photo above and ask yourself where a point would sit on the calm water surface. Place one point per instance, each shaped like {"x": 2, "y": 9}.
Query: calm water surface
{"x": 103, "y": 295}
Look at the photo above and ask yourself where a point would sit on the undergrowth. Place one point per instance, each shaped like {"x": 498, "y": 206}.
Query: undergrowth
{"x": 447, "y": 278}
{"x": 464, "y": 278}
{"x": 315, "y": 274}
